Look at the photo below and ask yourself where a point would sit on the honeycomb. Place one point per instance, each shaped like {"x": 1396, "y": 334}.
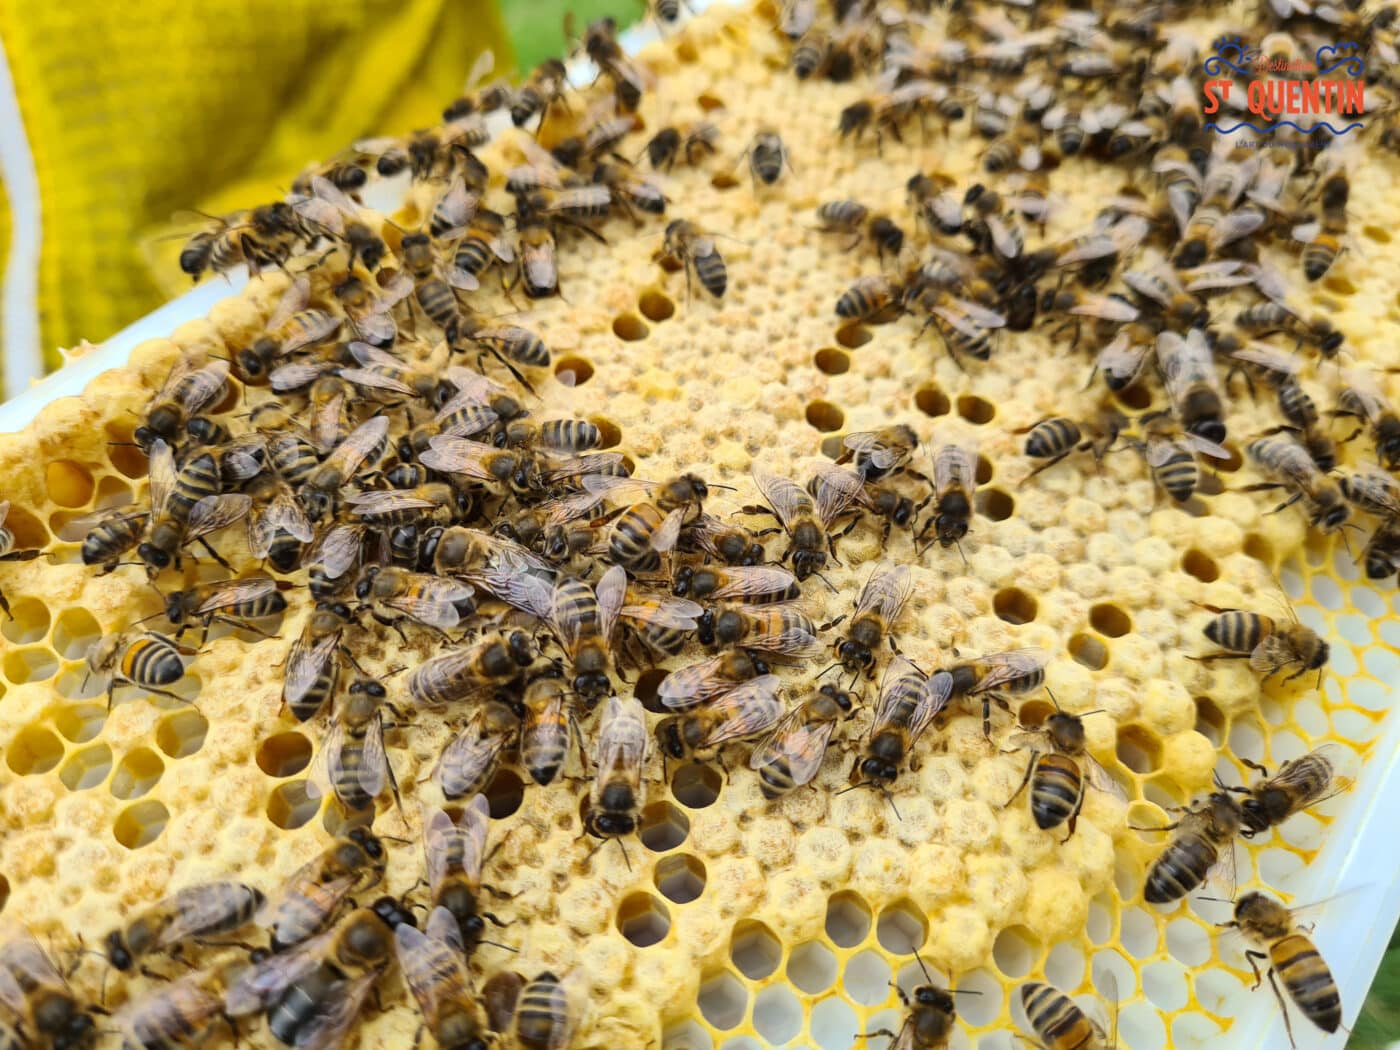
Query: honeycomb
{"x": 734, "y": 922}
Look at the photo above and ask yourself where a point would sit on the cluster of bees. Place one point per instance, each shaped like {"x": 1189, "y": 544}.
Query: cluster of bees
{"x": 413, "y": 492}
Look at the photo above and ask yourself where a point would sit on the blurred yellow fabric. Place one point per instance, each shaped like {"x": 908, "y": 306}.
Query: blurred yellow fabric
{"x": 135, "y": 111}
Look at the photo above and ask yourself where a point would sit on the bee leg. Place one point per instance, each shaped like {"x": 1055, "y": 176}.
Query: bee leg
{"x": 1030, "y": 768}
{"x": 1218, "y": 656}
{"x": 1258, "y": 767}
{"x": 1074, "y": 817}
{"x": 1044, "y": 466}
{"x": 1282, "y": 1004}
{"x": 214, "y": 554}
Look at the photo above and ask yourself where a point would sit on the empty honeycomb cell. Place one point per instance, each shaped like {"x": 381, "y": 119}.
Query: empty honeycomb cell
{"x": 68, "y": 484}
{"x": 1201, "y": 566}
{"x": 1164, "y": 983}
{"x": 1258, "y": 548}
{"x": 901, "y": 928}
{"x": 28, "y": 622}
{"x": 1064, "y": 966}
{"x": 833, "y": 1023}
{"x": 724, "y": 180}
{"x": 1137, "y": 397}
{"x": 754, "y": 949}
{"x": 1194, "y": 1029}
{"x": 32, "y": 751}
{"x": 979, "y": 998}
{"x": 777, "y": 1015}
{"x": 33, "y": 664}
{"x": 291, "y": 805}
{"x": 832, "y": 361}
{"x": 931, "y": 401}
{"x": 573, "y": 371}
{"x": 723, "y": 1000}
{"x": 504, "y": 794}
{"x": 181, "y": 733}
{"x": 975, "y": 409}
{"x": 663, "y": 827}
{"x": 1141, "y": 1027}
{"x": 630, "y": 328}
{"x": 124, "y": 455}
{"x": 1247, "y": 738}
{"x": 1188, "y": 942}
{"x": 79, "y": 722}
{"x": 825, "y": 416}
{"x": 1137, "y": 932}
{"x": 847, "y": 919}
{"x": 656, "y": 305}
{"x": 284, "y": 755}
{"x": 680, "y": 877}
{"x": 1376, "y": 233}
{"x": 1210, "y": 720}
{"x": 742, "y": 1042}
{"x": 1014, "y": 605}
{"x": 74, "y": 632}
{"x": 139, "y": 770}
{"x": 1089, "y": 651}
{"x": 86, "y": 768}
{"x": 709, "y": 103}
{"x": 696, "y": 785}
{"x": 609, "y": 433}
{"x": 994, "y": 504}
{"x": 853, "y": 336}
{"x": 867, "y": 978}
{"x": 29, "y": 531}
{"x": 643, "y": 919}
{"x": 833, "y": 446}
{"x": 140, "y": 824}
{"x": 645, "y": 690}
{"x": 985, "y": 470}
{"x": 1109, "y": 620}
{"x": 1099, "y": 924}
{"x": 1015, "y": 951}
{"x": 812, "y": 967}
{"x": 1340, "y": 285}
{"x": 688, "y": 1035}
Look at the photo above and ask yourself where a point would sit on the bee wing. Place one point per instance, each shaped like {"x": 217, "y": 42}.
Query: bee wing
{"x": 1381, "y": 487}
{"x": 1227, "y": 273}
{"x": 296, "y": 297}
{"x": 622, "y": 742}
{"x": 162, "y": 474}
{"x": 11, "y": 995}
{"x": 1007, "y": 237}
{"x": 202, "y": 907}
{"x": 213, "y": 513}
{"x": 527, "y": 592}
{"x": 462, "y": 280}
{"x": 374, "y": 380}
{"x": 456, "y": 208}
{"x": 753, "y": 707}
{"x": 841, "y": 488}
{"x": 1105, "y": 307}
{"x": 339, "y": 549}
{"x": 1222, "y": 873}
{"x": 982, "y": 316}
{"x": 1235, "y": 225}
{"x": 332, "y": 1020}
{"x": 374, "y": 762}
{"x": 868, "y": 442}
{"x": 385, "y": 501}
{"x": 888, "y": 589}
{"x": 898, "y": 668}
{"x": 580, "y": 468}
{"x": 787, "y": 499}
{"x": 1008, "y": 666}
{"x": 317, "y": 330}
{"x": 457, "y": 455}
{"x": 664, "y": 538}
{"x": 257, "y": 987}
{"x": 802, "y": 744}
{"x": 954, "y": 466}
{"x": 746, "y": 581}
{"x": 4, "y": 510}
{"x": 20, "y": 954}
{"x": 1205, "y": 446}
{"x": 370, "y": 356}
{"x": 934, "y": 696}
{"x": 295, "y": 375}
{"x": 1160, "y": 450}
{"x": 612, "y": 592}
{"x": 1122, "y": 360}
{"x": 374, "y": 147}
{"x": 363, "y": 440}
{"x": 1269, "y": 357}
{"x": 463, "y": 839}
{"x": 617, "y": 490}
{"x": 676, "y": 613}
{"x": 191, "y": 995}
{"x": 689, "y": 686}
{"x": 1086, "y": 249}
{"x": 236, "y": 591}
{"x": 304, "y": 665}
{"x": 432, "y": 600}
{"x": 434, "y": 966}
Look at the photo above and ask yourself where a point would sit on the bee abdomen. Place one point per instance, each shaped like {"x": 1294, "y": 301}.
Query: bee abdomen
{"x": 152, "y": 661}
{"x": 630, "y": 541}
{"x": 1178, "y": 475}
{"x": 1056, "y": 1019}
{"x": 1056, "y": 789}
{"x": 1182, "y": 867}
{"x": 1052, "y": 437}
{"x": 1237, "y": 631}
{"x": 712, "y": 274}
{"x": 1308, "y": 980}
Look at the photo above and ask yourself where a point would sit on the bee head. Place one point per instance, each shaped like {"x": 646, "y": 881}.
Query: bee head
{"x": 116, "y": 951}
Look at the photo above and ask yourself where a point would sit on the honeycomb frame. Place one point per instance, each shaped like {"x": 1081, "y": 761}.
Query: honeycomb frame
{"x": 104, "y": 810}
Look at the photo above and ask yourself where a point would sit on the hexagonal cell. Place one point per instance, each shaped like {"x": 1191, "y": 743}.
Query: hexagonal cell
{"x": 34, "y": 750}
{"x": 141, "y": 824}
{"x": 825, "y": 416}
{"x": 1014, "y": 605}
{"x": 643, "y": 919}
{"x": 76, "y": 683}
{"x": 79, "y": 722}
{"x": 847, "y": 919}
{"x": 812, "y": 967}
{"x": 723, "y": 1000}
{"x": 680, "y": 877}
{"x": 994, "y": 504}
{"x": 181, "y": 733}
{"x": 74, "y": 633}
{"x": 35, "y": 663}
{"x": 1015, "y": 951}
{"x": 696, "y": 785}
{"x": 688, "y": 1035}
{"x": 1109, "y": 620}
{"x": 28, "y": 622}
{"x": 663, "y": 827}
{"x": 29, "y": 531}
{"x": 284, "y": 755}
{"x": 609, "y": 433}
{"x": 931, "y": 401}
{"x": 833, "y": 1023}
{"x": 630, "y": 328}
{"x": 645, "y": 690}
{"x": 901, "y": 928}
{"x": 1137, "y": 932}
{"x": 1141, "y": 1027}
{"x": 69, "y": 484}
{"x": 1164, "y": 982}
{"x": 573, "y": 371}
{"x": 505, "y": 793}
{"x": 86, "y": 768}
{"x": 1064, "y": 966}
{"x": 1099, "y": 923}
{"x": 656, "y": 305}
{"x": 976, "y": 410}
{"x": 1210, "y": 720}
{"x": 982, "y": 1003}
{"x": 853, "y": 336}
{"x": 290, "y": 805}
{"x": 867, "y": 978}
{"x": 831, "y": 361}
{"x": 754, "y": 949}
{"x": 139, "y": 770}
{"x": 1089, "y": 651}
{"x": 777, "y": 1015}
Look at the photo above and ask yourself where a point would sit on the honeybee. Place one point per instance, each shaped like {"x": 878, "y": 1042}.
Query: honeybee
{"x": 1280, "y": 371}
{"x": 545, "y": 730}
{"x": 767, "y": 158}
{"x": 909, "y": 700}
{"x": 1382, "y": 553}
{"x": 1269, "y": 645}
{"x": 185, "y": 506}
{"x": 696, "y": 251}
{"x": 954, "y": 483}
{"x": 471, "y": 758}
{"x": 292, "y": 326}
{"x": 877, "y": 610}
{"x": 111, "y": 534}
{"x": 750, "y": 708}
{"x": 509, "y": 344}
{"x": 435, "y": 966}
{"x": 483, "y": 244}
{"x": 1291, "y": 955}
{"x": 935, "y": 204}
{"x": 618, "y": 792}
{"x": 601, "y": 45}
{"x": 811, "y": 54}
{"x": 42, "y": 1010}
{"x": 690, "y": 141}
{"x": 873, "y": 298}
{"x": 393, "y": 595}
{"x": 879, "y": 453}
{"x": 1053, "y": 439}
{"x": 1060, "y": 777}
{"x": 645, "y": 530}
{"x": 790, "y": 757}
{"x": 277, "y": 528}
{"x": 690, "y": 686}
{"x": 547, "y": 85}
{"x": 1266, "y": 317}
{"x": 142, "y": 659}
{"x": 1322, "y": 242}
{"x": 806, "y": 521}
{"x": 8, "y": 553}
{"x": 313, "y": 894}
{"x": 1299, "y": 783}
{"x": 885, "y": 502}
{"x": 313, "y": 661}
{"x": 1188, "y": 370}
{"x": 313, "y": 994}
{"x": 1059, "y": 1023}
{"x": 193, "y": 912}
{"x": 1283, "y": 457}
{"x": 227, "y": 601}
{"x": 1202, "y": 847}
{"x": 774, "y": 630}
{"x": 1373, "y": 490}
{"x": 544, "y": 1018}
{"x": 1362, "y": 399}
{"x": 352, "y": 762}
{"x": 929, "y": 1021}
{"x": 176, "y": 1013}
{"x": 731, "y": 544}
{"x": 320, "y": 493}
{"x": 454, "y": 849}
{"x": 492, "y": 660}
{"x": 966, "y": 328}
{"x": 186, "y": 392}
{"x": 1159, "y": 284}
{"x": 630, "y": 189}
{"x": 994, "y": 677}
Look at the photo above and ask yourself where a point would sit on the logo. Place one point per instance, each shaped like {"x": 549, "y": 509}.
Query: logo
{"x": 1282, "y": 92}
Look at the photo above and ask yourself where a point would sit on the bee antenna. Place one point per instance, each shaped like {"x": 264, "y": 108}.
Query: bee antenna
{"x": 498, "y": 944}
{"x": 1050, "y": 693}
{"x": 890, "y": 799}
{"x": 1217, "y": 900}
{"x": 824, "y": 580}
{"x": 122, "y": 444}
{"x": 920, "y": 960}
{"x": 828, "y": 667}
{"x": 958, "y": 544}
{"x": 625, "y": 858}
{"x": 964, "y": 991}
{"x": 392, "y": 838}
